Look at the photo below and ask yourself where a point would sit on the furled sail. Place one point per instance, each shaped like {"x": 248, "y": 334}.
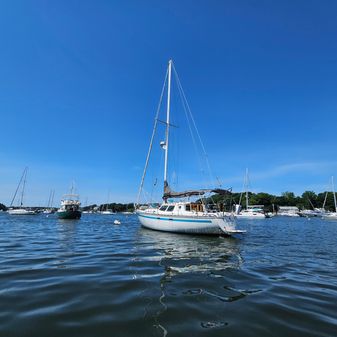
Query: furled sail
{"x": 168, "y": 193}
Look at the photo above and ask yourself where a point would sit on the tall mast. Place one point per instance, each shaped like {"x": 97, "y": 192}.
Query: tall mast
{"x": 50, "y": 193}
{"x": 52, "y": 199}
{"x": 17, "y": 189}
{"x": 246, "y": 188}
{"x": 23, "y": 187}
{"x": 167, "y": 122}
{"x": 334, "y": 194}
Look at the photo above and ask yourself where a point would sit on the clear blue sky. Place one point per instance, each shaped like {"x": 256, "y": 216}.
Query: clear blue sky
{"x": 80, "y": 82}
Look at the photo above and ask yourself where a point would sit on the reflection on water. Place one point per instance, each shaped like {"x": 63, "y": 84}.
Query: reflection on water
{"x": 191, "y": 254}
{"x": 66, "y": 230}
{"x": 189, "y": 260}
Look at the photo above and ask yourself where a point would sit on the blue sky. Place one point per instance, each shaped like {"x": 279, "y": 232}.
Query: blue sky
{"x": 80, "y": 83}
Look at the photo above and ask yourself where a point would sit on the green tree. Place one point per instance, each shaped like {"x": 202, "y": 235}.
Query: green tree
{"x": 309, "y": 200}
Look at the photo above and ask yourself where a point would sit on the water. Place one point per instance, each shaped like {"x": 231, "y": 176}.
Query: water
{"x": 94, "y": 278}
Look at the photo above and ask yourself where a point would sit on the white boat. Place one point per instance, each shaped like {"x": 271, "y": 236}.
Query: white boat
{"x": 50, "y": 209}
{"x": 107, "y": 212}
{"x": 181, "y": 217}
{"x": 21, "y": 210}
{"x": 312, "y": 213}
{"x": 291, "y": 215}
{"x": 332, "y": 215}
{"x": 187, "y": 217}
{"x": 251, "y": 211}
{"x": 290, "y": 211}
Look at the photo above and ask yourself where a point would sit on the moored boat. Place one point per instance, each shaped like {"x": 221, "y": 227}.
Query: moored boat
{"x": 251, "y": 211}
{"x": 70, "y": 207}
{"x": 181, "y": 216}
{"x": 21, "y": 210}
{"x": 332, "y": 215}
{"x": 107, "y": 212}
{"x": 188, "y": 218}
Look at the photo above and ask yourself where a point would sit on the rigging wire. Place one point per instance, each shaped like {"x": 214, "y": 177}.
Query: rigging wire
{"x": 189, "y": 125}
{"x": 152, "y": 137}
{"x": 195, "y": 126}
{"x": 16, "y": 191}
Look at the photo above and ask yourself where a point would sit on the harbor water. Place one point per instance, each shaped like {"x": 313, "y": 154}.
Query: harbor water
{"x": 90, "y": 277}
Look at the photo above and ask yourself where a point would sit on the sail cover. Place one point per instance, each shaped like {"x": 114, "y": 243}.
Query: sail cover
{"x": 168, "y": 193}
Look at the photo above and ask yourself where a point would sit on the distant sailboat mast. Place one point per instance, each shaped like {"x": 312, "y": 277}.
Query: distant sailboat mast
{"x": 23, "y": 187}
{"x": 52, "y": 199}
{"x": 17, "y": 188}
{"x": 334, "y": 194}
{"x": 246, "y": 183}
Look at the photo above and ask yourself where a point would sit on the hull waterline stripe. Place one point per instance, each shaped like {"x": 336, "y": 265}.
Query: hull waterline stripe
{"x": 170, "y": 219}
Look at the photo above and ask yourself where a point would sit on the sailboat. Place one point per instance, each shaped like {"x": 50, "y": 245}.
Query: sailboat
{"x": 49, "y": 209}
{"x": 332, "y": 215}
{"x": 107, "y": 210}
{"x": 182, "y": 216}
{"x": 70, "y": 206}
{"x": 251, "y": 211}
{"x": 21, "y": 210}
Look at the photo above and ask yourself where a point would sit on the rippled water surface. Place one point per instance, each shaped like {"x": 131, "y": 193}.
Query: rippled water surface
{"x": 93, "y": 278}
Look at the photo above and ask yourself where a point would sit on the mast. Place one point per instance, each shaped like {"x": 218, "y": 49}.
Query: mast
{"x": 23, "y": 186}
{"x": 325, "y": 198}
{"x": 50, "y": 193}
{"x": 334, "y": 194}
{"x": 167, "y": 122}
{"x": 17, "y": 189}
{"x": 52, "y": 198}
{"x": 246, "y": 188}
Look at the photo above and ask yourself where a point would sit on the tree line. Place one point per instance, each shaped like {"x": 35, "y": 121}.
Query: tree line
{"x": 115, "y": 207}
{"x": 308, "y": 200}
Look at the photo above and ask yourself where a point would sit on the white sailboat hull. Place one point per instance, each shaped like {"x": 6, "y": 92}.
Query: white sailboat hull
{"x": 330, "y": 216}
{"x": 21, "y": 211}
{"x": 250, "y": 216}
{"x": 293, "y": 215}
{"x": 191, "y": 225}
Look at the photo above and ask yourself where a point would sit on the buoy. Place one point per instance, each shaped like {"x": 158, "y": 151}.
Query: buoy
{"x": 117, "y": 222}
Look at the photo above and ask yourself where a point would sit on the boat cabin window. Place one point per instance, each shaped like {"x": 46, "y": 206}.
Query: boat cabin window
{"x": 170, "y": 209}
{"x": 188, "y": 208}
{"x": 197, "y": 207}
{"x": 163, "y": 208}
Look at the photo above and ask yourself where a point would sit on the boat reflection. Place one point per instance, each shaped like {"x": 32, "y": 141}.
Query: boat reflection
{"x": 191, "y": 254}
{"x": 185, "y": 268}
{"x": 67, "y": 242}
